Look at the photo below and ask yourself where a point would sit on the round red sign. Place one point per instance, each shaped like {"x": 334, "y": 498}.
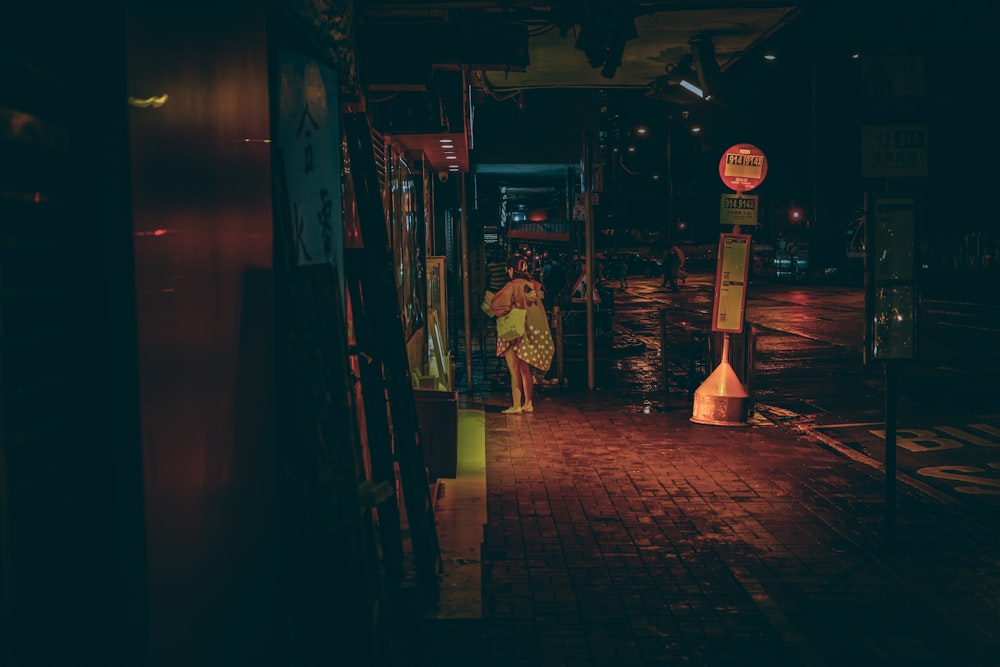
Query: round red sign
{"x": 743, "y": 167}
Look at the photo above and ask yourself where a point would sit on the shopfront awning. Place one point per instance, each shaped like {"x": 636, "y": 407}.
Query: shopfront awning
{"x": 541, "y": 231}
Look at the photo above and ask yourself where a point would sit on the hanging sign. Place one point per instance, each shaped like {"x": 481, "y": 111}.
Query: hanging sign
{"x": 893, "y": 151}
{"x": 743, "y": 167}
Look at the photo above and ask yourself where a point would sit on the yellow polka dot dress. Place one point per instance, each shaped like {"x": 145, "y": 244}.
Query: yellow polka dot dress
{"x": 535, "y": 346}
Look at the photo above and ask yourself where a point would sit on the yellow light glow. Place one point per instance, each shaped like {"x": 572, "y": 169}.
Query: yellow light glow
{"x": 147, "y": 102}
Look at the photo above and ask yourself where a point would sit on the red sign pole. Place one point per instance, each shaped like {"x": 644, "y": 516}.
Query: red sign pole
{"x": 722, "y": 399}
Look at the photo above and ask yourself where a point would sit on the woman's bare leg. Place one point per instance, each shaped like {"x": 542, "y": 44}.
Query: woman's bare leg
{"x": 527, "y": 383}
{"x": 516, "y": 383}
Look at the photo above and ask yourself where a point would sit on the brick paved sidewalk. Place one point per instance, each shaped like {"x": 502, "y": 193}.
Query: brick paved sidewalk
{"x": 618, "y": 537}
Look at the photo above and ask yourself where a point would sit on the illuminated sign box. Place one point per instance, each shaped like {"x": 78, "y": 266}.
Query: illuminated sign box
{"x": 731, "y": 283}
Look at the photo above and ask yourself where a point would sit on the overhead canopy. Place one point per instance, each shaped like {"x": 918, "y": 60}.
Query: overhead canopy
{"x": 661, "y": 40}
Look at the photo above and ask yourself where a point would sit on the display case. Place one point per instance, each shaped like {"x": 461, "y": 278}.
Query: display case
{"x": 435, "y": 371}
{"x": 437, "y": 402}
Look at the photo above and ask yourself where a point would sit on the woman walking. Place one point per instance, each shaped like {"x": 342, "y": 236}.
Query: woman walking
{"x": 535, "y": 346}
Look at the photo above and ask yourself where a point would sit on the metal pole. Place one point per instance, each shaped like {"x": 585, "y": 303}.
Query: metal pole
{"x": 890, "y": 452}
{"x": 560, "y": 372}
{"x": 670, "y": 181}
{"x": 466, "y": 296}
{"x": 663, "y": 350}
{"x": 589, "y": 254}
{"x": 813, "y": 219}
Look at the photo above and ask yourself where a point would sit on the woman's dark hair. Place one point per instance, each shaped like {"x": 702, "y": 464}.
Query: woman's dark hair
{"x": 520, "y": 266}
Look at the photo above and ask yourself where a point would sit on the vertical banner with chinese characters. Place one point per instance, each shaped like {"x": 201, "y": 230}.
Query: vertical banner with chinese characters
{"x": 308, "y": 137}
{"x": 731, "y": 282}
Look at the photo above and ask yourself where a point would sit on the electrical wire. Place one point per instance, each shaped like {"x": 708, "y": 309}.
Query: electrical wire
{"x": 488, "y": 88}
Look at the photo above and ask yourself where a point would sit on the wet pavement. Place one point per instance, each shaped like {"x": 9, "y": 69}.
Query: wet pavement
{"x": 620, "y": 537}
{"x": 618, "y": 532}
{"x": 809, "y": 376}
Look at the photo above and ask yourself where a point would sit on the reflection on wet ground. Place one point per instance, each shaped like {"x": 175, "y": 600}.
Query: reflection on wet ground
{"x": 649, "y": 325}
{"x": 662, "y": 347}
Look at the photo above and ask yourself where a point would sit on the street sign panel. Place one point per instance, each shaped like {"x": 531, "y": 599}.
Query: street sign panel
{"x": 731, "y": 283}
{"x": 893, "y": 151}
{"x": 894, "y": 76}
{"x": 580, "y": 203}
{"x": 743, "y": 167}
{"x": 738, "y": 209}
{"x": 891, "y": 302}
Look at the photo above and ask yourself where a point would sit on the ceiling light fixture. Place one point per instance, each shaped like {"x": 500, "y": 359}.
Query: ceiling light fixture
{"x": 705, "y": 65}
{"x": 692, "y": 88}
{"x": 684, "y": 76}
{"x": 666, "y": 88}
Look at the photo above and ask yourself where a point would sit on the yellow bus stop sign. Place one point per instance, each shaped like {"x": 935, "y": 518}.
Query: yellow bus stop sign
{"x": 738, "y": 209}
